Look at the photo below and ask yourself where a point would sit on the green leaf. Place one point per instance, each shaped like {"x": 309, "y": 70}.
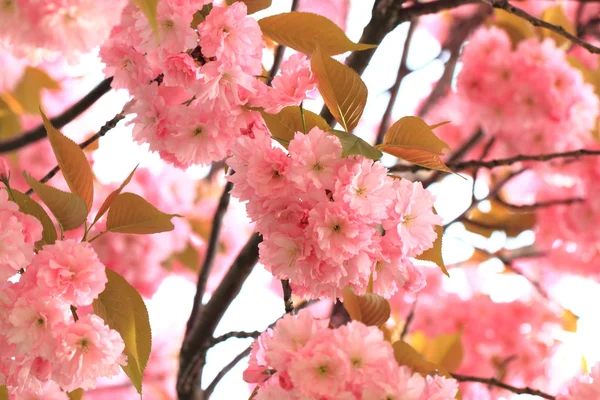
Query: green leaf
{"x": 253, "y": 5}
{"x": 29, "y": 89}
{"x": 406, "y": 355}
{"x": 188, "y": 257}
{"x": 556, "y": 16}
{"x": 130, "y": 213}
{"x": 200, "y": 15}
{"x": 76, "y": 394}
{"x": 411, "y": 139}
{"x": 434, "y": 254}
{"x": 344, "y": 93}
{"x": 445, "y": 350}
{"x": 69, "y": 209}
{"x": 123, "y": 309}
{"x": 149, "y": 8}
{"x": 72, "y": 162}
{"x": 352, "y": 144}
{"x": 515, "y": 27}
{"x": 31, "y": 207}
{"x": 284, "y": 125}
{"x": 10, "y": 122}
{"x": 111, "y": 197}
{"x": 303, "y": 31}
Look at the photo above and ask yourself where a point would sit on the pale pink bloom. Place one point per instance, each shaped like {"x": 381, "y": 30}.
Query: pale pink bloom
{"x": 129, "y": 67}
{"x": 30, "y": 374}
{"x": 293, "y": 83}
{"x": 12, "y": 66}
{"x": 70, "y": 270}
{"x": 90, "y": 349}
{"x": 229, "y": 36}
{"x": 316, "y": 157}
{"x": 584, "y": 387}
{"x": 34, "y": 322}
{"x": 439, "y": 387}
{"x": 180, "y": 70}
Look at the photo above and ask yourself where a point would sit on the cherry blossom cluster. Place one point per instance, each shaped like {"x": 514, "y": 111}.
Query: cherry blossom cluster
{"x": 35, "y": 30}
{"x": 301, "y": 358}
{"x": 584, "y": 387}
{"x": 40, "y": 339}
{"x": 194, "y": 85}
{"x": 329, "y": 222}
{"x": 530, "y": 97}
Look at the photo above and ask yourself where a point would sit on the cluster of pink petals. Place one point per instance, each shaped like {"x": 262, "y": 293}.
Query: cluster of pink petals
{"x": 329, "y": 222}
{"x": 301, "y": 358}
{"x": 36, "y": 29}
{"x": 530, "y": 97}
{"x": 18, "y": 235}
{"x": 584, "y": 387}
{"x": 193, "y": 86}
{"x": 41, "y": 343}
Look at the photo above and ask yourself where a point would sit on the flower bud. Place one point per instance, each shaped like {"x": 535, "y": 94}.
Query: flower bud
{"x": 4, "y": 170}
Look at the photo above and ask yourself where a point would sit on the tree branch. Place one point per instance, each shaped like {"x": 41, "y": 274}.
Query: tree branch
{"x": 403, "y": 72}
{"x": 23, "y": 139}
{"x": 409, "y": 319}
{"x": 211, "y": 253}
{"x": 506, "y": 6}
{"x": 542, "y": 204}
{"x": 500, "y": 384}
{"x": 103, "y": 131}
{"x": 238, "y": 335}
{"x": 287, "y": 296}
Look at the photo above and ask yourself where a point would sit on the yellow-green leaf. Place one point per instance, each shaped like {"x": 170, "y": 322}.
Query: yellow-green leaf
{"x": 29, "y": 89}
{"x": 434, "y": 254}
{"x": 253, "y": 5}
{"x": 569, "y": 321}
{"x": 69, "y": 209}
{"x": 515, "y": 27}
{"x": 30, "y": 207}
{"x": 499, "y": 218}
{"x": 406, "y": 355}
{"x": 284, "y": 125}
{"x": 149, "y": 8}
{"x": 344, "y": 93}
{"x": 10, "y": 122}
{"x": 188, "y": 257}
{"x": 72, "y": 162}
{"x": 370, "y": 309}
{"x": 3, "y": 393}
{"x": 200, "y": 15}
{"x": 353, "y": 145}
{"x": 109, "y": 199}
{"x": 304, "y": 31}
{"x": 411, "y": 139}
{"x": 556, "y": 16}
{"x": 76, "y": 394}
{"x": 446, "y": 350}
{"x": 123, "y": 309}
{"x": 130, "y": 213}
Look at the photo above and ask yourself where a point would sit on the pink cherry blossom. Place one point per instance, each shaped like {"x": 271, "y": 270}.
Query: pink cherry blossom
{"x": 584, "y": 387}
{"x": 4, "y": 169}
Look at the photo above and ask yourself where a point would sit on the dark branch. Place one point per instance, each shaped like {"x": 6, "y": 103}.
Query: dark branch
{"x": 403, "y": 72}
{"x": 211, "y": 253}
{"x": 500, "y": 384}
{"x": 103, "y": 131}
{"x": 38, "y": 133}
{"x": 409, "y": 319}
{"x": 287, "y": 296}
{"x": 238, "y": 335}
{"x": 542, "y": 204}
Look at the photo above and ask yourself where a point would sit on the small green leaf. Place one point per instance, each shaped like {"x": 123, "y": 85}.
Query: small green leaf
{"x": 188, "y": 257}
{"x": 284, "y": 125}
{"x": 69, "y": 209}
{"x": 353, "y": 145}
{"x": 130, "y": 213}
{"x": 200, "y": 15}
{"x": 123, "y": 309}
{"x": 342, "y": 89}
{"x": 72, "y": 162}
{"x": 434, "y": 254}
{"x": 30, "y": 207}
{"x": 110, "y": 198}
{"x": 253, "y": 5}
{"x": 76, "y": 394}
{"x": 10, "y": 122}
{"x": 304, "y": 31}
{"x": 150, "y": 9}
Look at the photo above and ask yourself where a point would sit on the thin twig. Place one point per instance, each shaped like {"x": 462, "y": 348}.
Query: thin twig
{"x": 484, "y": 153}
{"x": 542, "y": 204}
{"x": 500, "y": 384}
{"x": 508, "y": 264}
{"x": 506, "y": 6}
{"x": 409, "y": 319}
{"x": 236, "y": 334}
{"x": 503, "y": 162}
{"x": 38, "y": 133}
{"x": 287, "y": 296}
{"x": 211, "y": 253}
{"x": 403, "y": 72}
{"x": 83, "y": 145}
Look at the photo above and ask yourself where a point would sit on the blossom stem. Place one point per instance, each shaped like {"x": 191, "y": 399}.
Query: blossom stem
{"x": 38, "y": 133}
{"x": 500, "y": 384}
